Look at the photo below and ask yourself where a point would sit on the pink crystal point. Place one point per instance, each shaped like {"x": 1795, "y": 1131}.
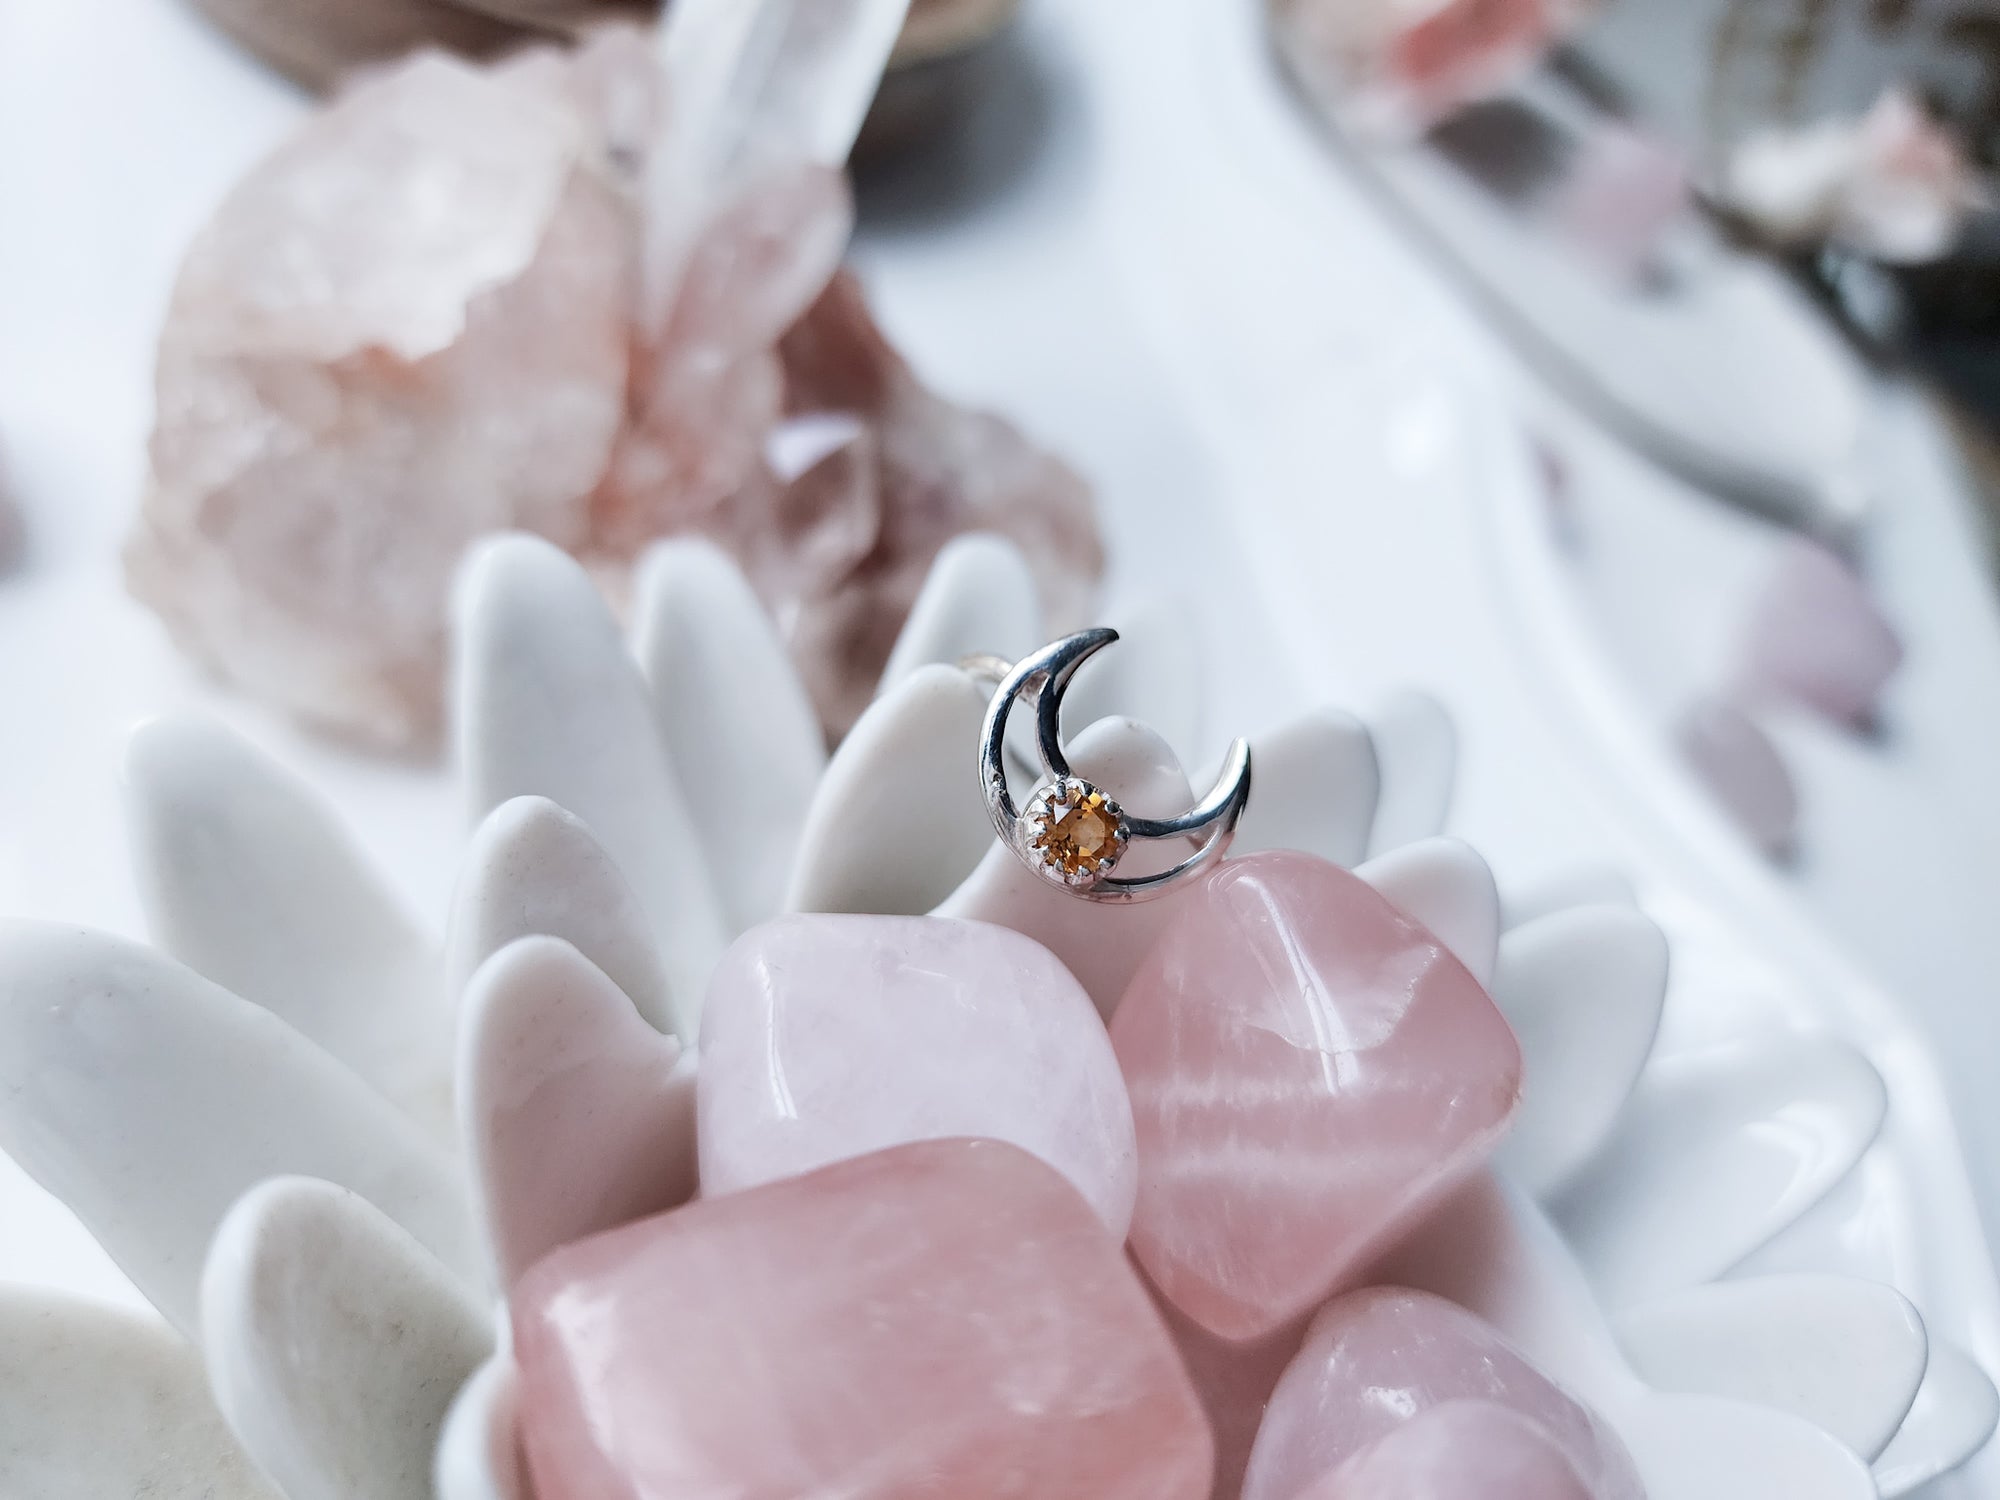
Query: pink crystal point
{"x": 1816, "y": 636}
{"x": 1453, "y": 1452}
{"x": 1310, "y": 1071}
{"x": 826, "y": 1037}
{"x": 1376, "y": 1359}
{"x": 944, "y": 1319}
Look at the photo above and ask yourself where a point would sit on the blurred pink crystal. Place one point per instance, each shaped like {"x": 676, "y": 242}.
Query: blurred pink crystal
{"x": 1817, "y": 638}
{"x": 1453, "y": 1451}
{"x": 1743, "y": 769}
{"x": 826, "y": 1037}
{"x": 1400, "y": 66}
{"x": 942, "y": 1319}
{"x": 1310, "y": 1072}
{"x": 467, "y": 299}
{"x": 1376, "y": 1360}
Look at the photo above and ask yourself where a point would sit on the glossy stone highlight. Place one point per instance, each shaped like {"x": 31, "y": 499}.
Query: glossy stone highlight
{"x": 826, "y": 1037}
{"x": 943, "y": 1319}
{"x": 1379, "y": 1359}
{"x": 1310, "y": 1071}
{"x": 1454, "y": 1451}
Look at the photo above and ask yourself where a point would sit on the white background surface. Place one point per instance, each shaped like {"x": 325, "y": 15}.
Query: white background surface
{"x": 1295, "y": 426}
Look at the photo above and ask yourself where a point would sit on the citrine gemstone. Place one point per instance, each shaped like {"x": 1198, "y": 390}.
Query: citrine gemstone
{"x": 1078, "y": 833}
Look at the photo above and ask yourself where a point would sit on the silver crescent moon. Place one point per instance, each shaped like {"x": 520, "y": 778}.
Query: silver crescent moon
{"x": 1081, "y": 871}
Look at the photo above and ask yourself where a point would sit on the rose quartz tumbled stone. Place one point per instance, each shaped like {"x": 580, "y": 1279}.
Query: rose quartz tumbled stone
{"x": 1310, "y": 1071}
{"x": 1455, "y": 1451}
{"x": 1374, "y": 1360}
{"x": 942, "y": 1321}
{"x": 825, "y": 1037}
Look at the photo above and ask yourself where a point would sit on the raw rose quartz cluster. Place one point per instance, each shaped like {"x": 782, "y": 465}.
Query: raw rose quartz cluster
{"x": 1398, "y": 67}
{"x": 908, "y": 1272}
{"x": 467, "y": 299}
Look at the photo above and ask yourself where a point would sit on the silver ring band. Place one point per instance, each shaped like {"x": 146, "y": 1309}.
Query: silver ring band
{"x": 1071, "y": 834}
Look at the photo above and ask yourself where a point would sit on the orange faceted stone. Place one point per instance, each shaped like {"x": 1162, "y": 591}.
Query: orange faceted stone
{"x": 1080, "y": 835}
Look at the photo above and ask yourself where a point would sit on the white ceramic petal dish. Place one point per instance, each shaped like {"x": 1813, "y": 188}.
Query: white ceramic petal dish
{"x": 1302, "y": 449}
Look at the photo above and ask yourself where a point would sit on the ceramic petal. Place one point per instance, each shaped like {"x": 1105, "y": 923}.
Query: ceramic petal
{"x": 549, "y": 703}
{"x": 249, "y": 878}
{"x": 1580, "y": 885}
{"x": 898, "y": 820}
{"x": 578, "y": 1116}
{"x": 741, "y": 734}
{"x": 149, "y": 1099}
{"x": 1313, "y": 789}
{"x": 533, "y": 868}
{"x": 96, "y": 1403}
{"x": 1101, "y": 945}
{"x": 1583, "y": 990}
{"x": 335, "y": 1342}
{"x": 1416, "y": 753}
{"x": 1953, "y": 1417}
{"x": 1845, "y": 1354}
{"x": 979, "y": 599}
{"x": 1444, "y": 885}
{"x": 479, "y": 1449}
{"x": 1717, "y": 1151}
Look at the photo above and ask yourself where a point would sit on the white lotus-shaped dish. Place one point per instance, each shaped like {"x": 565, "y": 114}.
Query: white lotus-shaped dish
{"x": 310, "y": 1132}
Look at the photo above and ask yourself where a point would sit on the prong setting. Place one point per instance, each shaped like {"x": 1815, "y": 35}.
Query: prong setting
{"x": 1072, "y": 834}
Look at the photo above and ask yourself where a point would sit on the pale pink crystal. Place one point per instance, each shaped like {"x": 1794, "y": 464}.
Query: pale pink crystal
{"x": 945, "y": 1319}
{"x": 1815, "y": 636}
{"x": 1455, "y": 1451}
{"x": 1399, "y": 66}
{"x": 422, "y": 320}
{"x": 1234, "y": 1382}
{"x": 1376, "y": 1359}
{"x": 1310, "y": 1071}
{"x": 1742, "y": 768}
{"x": 825, "y": 1037}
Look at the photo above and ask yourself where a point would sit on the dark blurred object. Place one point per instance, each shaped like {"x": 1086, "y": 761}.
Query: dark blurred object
{"x": 318, "y": 43}
{"x": 1714, "y": 73}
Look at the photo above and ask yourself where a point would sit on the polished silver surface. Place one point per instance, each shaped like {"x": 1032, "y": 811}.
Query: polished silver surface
{"x": 1209, "y": 825}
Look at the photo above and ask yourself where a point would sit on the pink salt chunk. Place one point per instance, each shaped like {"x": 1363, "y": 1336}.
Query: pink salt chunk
{"x": 1378, "y": 1359}
{"x": 1310, "y": 1072}
{"x": 944, "y": 1319}
{"x": 826, "y": 1037}
{"x": 1454, "y": 1451}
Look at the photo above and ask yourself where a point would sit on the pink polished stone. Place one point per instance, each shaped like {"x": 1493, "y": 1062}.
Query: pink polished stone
{"x": 943, "y": 1321}
{"x": 1376, "y": 1359}
{"x": 1455, "y": 1451}
{"x": 825, "y": 1037}
{"x": 1816, "y": 636}
{"x": 1234, "y": 1381}
{"x": 1310, "y": 1071}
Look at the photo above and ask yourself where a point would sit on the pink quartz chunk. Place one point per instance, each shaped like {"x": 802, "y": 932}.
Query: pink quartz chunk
{"x": 1310, "y": 1072}
{"x": 1234, "y": 1381}
{"x": 1455, "y": 1451}
{"x": 1378, "y": 1359}
{"x": 826, "y": 1037}
{"x": 1817, "y": 638}
{"x": 947, "y": 1319}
